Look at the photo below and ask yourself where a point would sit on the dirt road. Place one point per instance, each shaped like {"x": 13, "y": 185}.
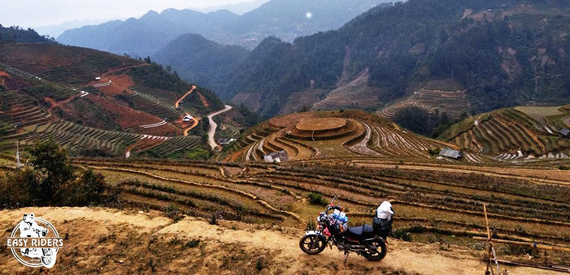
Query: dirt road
{"x": 194, "y": 124}
{"x": 214, "y": 126}
{"x": 185, "y": 95}
{"x": 120, "y": 242}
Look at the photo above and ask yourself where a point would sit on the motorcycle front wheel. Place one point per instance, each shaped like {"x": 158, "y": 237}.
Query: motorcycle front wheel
{"x": 312, "y": 244}
{"x": 380, "y": 252}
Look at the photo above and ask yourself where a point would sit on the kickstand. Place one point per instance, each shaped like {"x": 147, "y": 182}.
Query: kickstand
{"x": 346, "y": 253}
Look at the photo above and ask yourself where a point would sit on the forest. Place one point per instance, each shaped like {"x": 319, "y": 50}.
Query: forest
{"x": 20, "y": 35}
{"x": 503, "y": 55}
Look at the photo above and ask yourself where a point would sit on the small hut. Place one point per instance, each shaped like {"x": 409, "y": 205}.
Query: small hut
{"x": 450, "y": 153}
{"x": 280, "y": 156}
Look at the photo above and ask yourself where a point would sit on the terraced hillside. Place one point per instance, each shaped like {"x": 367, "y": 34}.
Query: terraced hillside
{"x": 452, "y": 102}
{"x": 434, "y": 202}
{"x": 96, "y": 103}
{"x": 515, "y": 134}
{"x": 332, "y": 134}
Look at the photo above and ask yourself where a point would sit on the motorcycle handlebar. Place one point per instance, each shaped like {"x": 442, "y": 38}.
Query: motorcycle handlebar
{"x": 335, "y": 196}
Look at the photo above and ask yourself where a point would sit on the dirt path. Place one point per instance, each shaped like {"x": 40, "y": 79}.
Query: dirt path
{"x": 93, "y": 231}
{"x": 60, "y": 104}
{"x": 185, "y": 95}
{"x": 214, "y": 126}
{"x": 123, "y": 68}
{"x": 194, "y": 124}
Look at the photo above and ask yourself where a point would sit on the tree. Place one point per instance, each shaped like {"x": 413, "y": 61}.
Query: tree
{"x": 53, "y": 168}
{"x": 51, "y": 180}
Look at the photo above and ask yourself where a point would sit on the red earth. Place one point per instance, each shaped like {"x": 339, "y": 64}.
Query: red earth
{"x": 119, "y": 83}
{"x": 133, "y": 119}
{"x": 203, "y": 99}
{"x": 3, "y": 75}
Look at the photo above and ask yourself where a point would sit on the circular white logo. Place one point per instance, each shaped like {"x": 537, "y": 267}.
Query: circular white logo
{"x": 35, "y": 242}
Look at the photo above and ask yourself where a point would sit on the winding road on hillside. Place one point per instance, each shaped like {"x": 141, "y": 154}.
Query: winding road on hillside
{"x": 214, "y": 126}
{"x": 177, "y": 104}
{"x": 194, "y": 124}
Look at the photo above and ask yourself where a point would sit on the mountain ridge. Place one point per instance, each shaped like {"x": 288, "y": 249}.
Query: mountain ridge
{"x": 221, "y": 26}
{"x": 491, "y": 51}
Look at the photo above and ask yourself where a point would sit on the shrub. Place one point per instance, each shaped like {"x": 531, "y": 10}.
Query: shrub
{"x": 192, "y": 244}
{"x": 173, "y": 212}
{"x": 311, "y": 225}
{"x": 89, "y": 189}
{"x": 317, "y": 199}
{"x": 198, "y": 154}
{"x": 403, "y": 235}
{"x": 213, "y": 219}
{"x": 260, "y": 264}
{"x": 434, "y": 152}
{"x": 52, "y": 181}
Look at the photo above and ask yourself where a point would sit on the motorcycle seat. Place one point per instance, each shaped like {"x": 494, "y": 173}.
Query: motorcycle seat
{"x": 359, "y": 230}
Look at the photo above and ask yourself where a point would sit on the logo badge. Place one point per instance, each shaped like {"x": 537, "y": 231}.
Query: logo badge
{"x": 35, "y": 242}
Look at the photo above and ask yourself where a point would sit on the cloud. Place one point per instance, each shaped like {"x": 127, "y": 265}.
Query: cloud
{"x": 35, "y": 13}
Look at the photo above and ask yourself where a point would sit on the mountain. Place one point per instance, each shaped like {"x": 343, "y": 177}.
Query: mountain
{"x": 282, "y": 18}
{"x": 457, "y": 56}
{"x": 145, "y": 36}
{"x": 19, "y": 35}
{"x": 57, "y": 30}
{"x": 99, "y": 104}
{"x": 205, "y": 62}
{"x": 238, "y": 8}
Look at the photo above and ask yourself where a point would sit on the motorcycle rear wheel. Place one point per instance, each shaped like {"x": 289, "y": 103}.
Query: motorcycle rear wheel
{"x": 376, "y": 255}
{"x": 312, "y": 244}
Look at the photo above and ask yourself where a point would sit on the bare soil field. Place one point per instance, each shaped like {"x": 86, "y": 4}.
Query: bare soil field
{"x": 133, "y": 119}
{"x": 321, "y": 124}
{"x": 119, "y": 84}
{"x": 538, "y": 113}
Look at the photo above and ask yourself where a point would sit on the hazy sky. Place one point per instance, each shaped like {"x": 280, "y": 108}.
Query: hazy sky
{"x": 36, "y": 13}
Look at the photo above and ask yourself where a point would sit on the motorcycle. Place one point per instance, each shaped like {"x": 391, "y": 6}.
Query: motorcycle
{"x": 364, "y": 240}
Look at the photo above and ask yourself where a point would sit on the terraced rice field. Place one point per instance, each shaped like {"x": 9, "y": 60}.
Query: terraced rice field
{"x": 154, "y": 108}
{"x": 511, "y": 135}
{"x": 429, "y": 199}
{"x": 452, "y": 102}
{"x": 332, "y": 135}
{"x": 134, "y": 119}
{"x": 70, "y": 65}
{"x": 24, "y": 118}
{"x": 390, "y": 111}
